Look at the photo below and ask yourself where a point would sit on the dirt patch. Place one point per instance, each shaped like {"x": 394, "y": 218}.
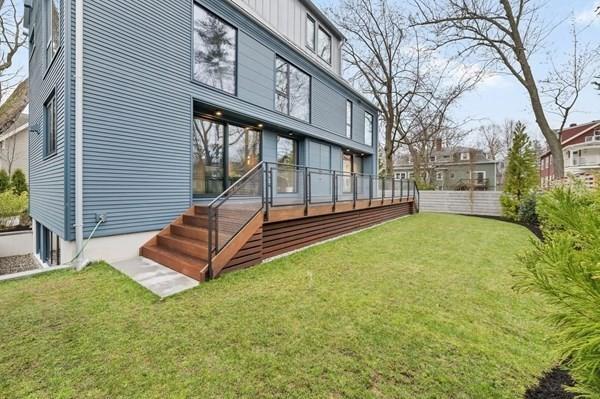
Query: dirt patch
{"x": 16, "y": 264}
{"x": 551, "y": 386}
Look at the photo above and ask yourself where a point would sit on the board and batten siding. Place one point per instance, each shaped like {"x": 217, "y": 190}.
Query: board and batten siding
{"x": 138, "y": 106}
{"x": 46, "y": 174}
{"x": 288, "y": 18}
{"x": 482, "y": 203}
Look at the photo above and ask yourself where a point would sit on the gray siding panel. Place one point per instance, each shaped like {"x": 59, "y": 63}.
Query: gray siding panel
{"x": 46, "y": 177}
{"x": 328, "y": 108}
{"x": 256, "y": 70}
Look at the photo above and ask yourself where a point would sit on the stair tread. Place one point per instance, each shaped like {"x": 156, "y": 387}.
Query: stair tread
{"x": 189, "y": 260}
{"x": 191, "y": 241}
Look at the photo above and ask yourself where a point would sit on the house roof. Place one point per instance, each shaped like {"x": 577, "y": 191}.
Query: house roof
{"x": 571, "y": 133}
{"x": 21, "y": 124}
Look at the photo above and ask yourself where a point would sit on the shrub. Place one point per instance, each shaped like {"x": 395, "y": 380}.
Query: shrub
{"x": 11, "y": 205}
{"x": 527, "y": 211}
{"x": 4, "y": 181}
{"x": 19, "y": 181}
{"x": 565, "y": 270}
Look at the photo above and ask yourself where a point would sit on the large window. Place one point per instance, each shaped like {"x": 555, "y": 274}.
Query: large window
{"x": 324, "y": 46}
{"x": 368, "y": 129}
{"x": 287, "y": 153}
{"x": 53, "y": 32}
{"x": 349, "y": 119}
{"x": 50, "y": 126}
{"x": 215, "y": 44}
{"x": 292, "y": 88}
{"x": 222, "y": 154}
{"x": 310, "y": 32}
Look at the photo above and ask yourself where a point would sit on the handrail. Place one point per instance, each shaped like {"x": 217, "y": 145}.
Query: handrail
{"x": 236, "y": 184}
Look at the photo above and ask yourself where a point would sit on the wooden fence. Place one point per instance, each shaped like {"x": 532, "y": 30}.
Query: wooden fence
{"x": 484, "y": 203}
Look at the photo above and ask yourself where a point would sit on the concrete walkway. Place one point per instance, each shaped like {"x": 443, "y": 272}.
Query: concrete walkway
{"x": 157, "y": 278}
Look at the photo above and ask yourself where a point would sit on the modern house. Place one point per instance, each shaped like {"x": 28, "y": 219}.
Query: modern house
{"x": 14, "y": 146}
{"x": 581, "y": 151}
{"x": 204, "y": 135}
{"x": 456, "y": 168}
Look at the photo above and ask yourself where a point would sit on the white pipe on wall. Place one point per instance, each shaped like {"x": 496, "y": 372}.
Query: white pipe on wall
{"x": 79, "y": 262}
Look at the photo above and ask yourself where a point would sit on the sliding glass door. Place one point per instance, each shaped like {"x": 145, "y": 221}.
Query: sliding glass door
{"x": 222, "y": 153}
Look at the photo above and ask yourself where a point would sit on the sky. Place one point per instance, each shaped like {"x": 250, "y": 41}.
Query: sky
{"x": 501, "y": 97}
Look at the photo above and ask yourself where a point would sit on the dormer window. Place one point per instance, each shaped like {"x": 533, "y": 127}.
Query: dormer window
{"x": 465, "y": 156}
{"x": 324, "y": 45}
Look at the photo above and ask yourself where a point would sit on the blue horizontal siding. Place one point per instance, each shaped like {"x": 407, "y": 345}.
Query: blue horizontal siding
{"x": 46, "y": 175}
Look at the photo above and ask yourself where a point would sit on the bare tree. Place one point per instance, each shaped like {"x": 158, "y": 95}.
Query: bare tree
{"x": 383, "y": 58}
{"x": 503, "y": 33}
{"x": 12, "y": 40}
{"x": 490, "y": 140}
{"x": 8, "y": 153}
{"x": 565, "y": 82}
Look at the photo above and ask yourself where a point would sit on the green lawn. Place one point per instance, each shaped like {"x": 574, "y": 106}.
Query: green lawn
{"x": 421, "y": 307}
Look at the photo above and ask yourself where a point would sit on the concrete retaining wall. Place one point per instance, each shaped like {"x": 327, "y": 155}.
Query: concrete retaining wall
{"x": 484, "y": 203}
{"x": 16, "y": 243}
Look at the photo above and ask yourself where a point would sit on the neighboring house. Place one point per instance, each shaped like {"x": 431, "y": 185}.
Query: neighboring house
{"x": 457, "y": 168}
{"x": 145, "y": 111}
{"x": 581, "y": 151}
{"x": 14, "y": 146}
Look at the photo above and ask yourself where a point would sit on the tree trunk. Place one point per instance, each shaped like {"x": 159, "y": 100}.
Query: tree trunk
{"x": 14, "y": 105}
{"x": 389, "y": 150}
{"x": 529, "y": 82}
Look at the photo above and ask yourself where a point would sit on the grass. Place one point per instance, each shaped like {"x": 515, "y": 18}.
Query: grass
{"x": 421, "y": 307}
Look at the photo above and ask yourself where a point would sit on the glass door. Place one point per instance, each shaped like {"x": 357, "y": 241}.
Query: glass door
{"x": 208, "y": 168}
{"x": 222, "y": 154}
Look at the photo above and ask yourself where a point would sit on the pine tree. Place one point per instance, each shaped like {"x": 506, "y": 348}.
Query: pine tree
{"x": 521, "y": 172}
{"x": 19, "y": 182}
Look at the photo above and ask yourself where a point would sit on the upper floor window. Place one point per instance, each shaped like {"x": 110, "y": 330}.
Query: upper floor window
{"x": 292, "y": 90}
{"x": 311, "y": 29}
{"x": 215, "y": 44}
{"x": 50, "y": 126}
{"x": 52, "y": 26}
{"x": 465, "y": 156}
{"x": 368, "y": 129}
{"x": 349, "y": 119}
{"x": 324, "y": 46}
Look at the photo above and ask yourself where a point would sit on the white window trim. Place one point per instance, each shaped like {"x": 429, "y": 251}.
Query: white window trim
{"x": 439, "y": 176}
{"x": 465, "y": 156}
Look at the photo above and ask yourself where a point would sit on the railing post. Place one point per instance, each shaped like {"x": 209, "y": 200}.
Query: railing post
{"x": 414, "y": 190}
{"x": 309, "y": 187}
{"x": 216, "y": 223}
{"x": 401, "y": 188}
{"x": 334, "y": 189}
{"x": 210, "y": 251}
{"x": 266, "y": 191}
{"x": 382, "y": 190}
{"x": 393, "y": 188}
{"x": 370, "y": 189}
{"x": 305, "y": 169}
{"x": 354, "y": 189}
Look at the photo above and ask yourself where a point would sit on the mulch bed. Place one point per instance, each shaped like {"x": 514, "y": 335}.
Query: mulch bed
{"x": 551, "y": 385}
{"x": 16, "y": 264}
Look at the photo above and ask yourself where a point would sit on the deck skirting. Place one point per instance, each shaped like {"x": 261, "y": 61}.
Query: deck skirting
{"x": 280, "y": 237}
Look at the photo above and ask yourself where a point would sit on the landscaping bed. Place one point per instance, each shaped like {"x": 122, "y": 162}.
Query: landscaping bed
{"x": 16, "y": 264}
{"x": 422, "y": 307}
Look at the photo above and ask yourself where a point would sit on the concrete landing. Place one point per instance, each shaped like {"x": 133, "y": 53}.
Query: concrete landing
{"x": 157, "y": 278}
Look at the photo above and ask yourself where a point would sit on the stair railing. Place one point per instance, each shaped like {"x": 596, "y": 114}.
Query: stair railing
{"x": 229, "y": 213}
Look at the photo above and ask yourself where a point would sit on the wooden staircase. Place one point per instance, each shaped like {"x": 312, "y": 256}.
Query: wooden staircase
{"x": 183, "y": 245}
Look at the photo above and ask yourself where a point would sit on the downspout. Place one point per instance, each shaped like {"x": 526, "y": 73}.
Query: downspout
{"x": 80, "y": 259}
